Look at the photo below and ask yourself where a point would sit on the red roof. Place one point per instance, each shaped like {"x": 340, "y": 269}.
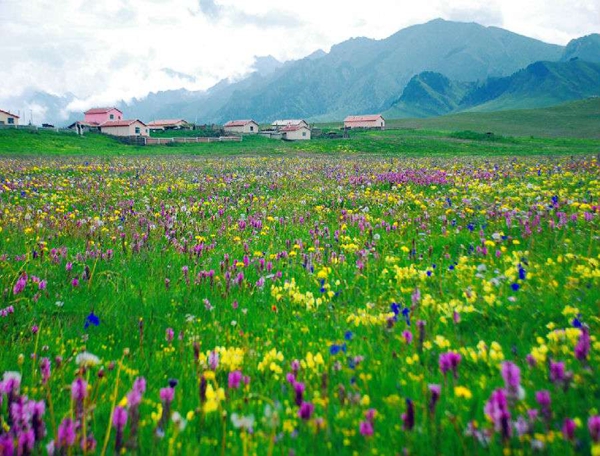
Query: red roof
{"x": 293, "y": 128}
{"x": 121, "y": 123}
{"x": 238, "y": 123}
{"x": 10, "y": 114}
{"x": 369, "y": 118}
{"x": 161, "y": 122}
{"x": 101, "y": 110}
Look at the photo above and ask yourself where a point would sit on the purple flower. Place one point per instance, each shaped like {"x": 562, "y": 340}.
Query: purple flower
{"x": 45, "y": 369}
{"x": 119, "y": 418}
{"x": 450, "y": 361}
{"x": 594, "y": 428}
{"x": 234, "y": 379}
{"x": 582, "y": 348}
{"x": 544, "y": 400}
{"x": 213, "y": 360}
{"x": 306, "y": 410}
{"x": 366, "y": 428}
{"x": 434, "y": 395}
{"x": 299, "y": 388}
{"x": 497, "y": 409}
{"x": 557, "y": 371}
{"x": 408, "y": 337}
{"x": 66, "y": 434}
{"x": 79, "y": 389}
{"x": 20, "y": 284}
{"x": 167, "y": 395}
{"x": 512, "y": 376}
{"x": 568, "y": 429}
{"x": 7, "y": 446}
{"x": 26, "y": 442}
{"x": 169, "y": 335}
{"x": 408, "y": 418}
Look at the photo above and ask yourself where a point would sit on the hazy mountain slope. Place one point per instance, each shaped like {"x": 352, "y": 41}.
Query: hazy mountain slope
{"x": 362, "y": 75}
{"x": 584, "y": 48}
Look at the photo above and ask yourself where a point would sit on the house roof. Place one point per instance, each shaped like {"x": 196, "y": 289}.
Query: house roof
{"x": 283, "y": 122}
{"x": 162, "y": 122}
{"x": 101, "y": 110}
{"x": 120, "y": 123}
{"x": 368, "y": 118}
{"x": 294, "y": 128}
{"x": 238, "y": 123}
{"x": 9, "y": 113}
{"x": 85, "y": 124}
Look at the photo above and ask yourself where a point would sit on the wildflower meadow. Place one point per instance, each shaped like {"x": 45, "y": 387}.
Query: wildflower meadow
{"x": 302, "y": 304}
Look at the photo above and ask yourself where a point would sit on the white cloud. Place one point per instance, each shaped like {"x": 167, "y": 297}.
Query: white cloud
{"x": 106, "y": 50}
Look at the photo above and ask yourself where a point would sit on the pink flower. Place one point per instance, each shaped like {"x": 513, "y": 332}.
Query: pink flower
{"x": 366, "y": 428}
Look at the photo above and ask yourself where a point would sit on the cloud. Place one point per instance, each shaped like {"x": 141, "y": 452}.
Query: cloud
{"x": 210, "y": 8}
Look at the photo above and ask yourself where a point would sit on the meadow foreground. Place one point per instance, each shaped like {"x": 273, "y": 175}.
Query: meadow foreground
{"x": 300, "y": 305}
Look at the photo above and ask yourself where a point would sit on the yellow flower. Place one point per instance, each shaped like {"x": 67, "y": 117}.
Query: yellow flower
{"x": 461, "y": 391}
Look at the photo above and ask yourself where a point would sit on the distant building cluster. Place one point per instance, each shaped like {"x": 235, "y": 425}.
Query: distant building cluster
{"x": 110, "y": 121}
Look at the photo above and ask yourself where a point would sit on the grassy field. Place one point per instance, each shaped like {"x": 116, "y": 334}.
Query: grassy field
{"x": 407, "y": 142}
{"x": 299, "y": 304}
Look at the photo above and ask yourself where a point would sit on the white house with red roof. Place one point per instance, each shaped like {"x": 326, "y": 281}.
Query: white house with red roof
{"x": 6, "y": 118}
{"x": 241, "y": 126}
{"x": 295, "y": 132}
{"x": 134, "y": 127}
{"x": 367, "y": 121}
{"x": 289, "y": 122}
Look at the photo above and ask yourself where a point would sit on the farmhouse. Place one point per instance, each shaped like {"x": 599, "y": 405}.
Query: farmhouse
{"x": 168, "y": 124}
{"x": 100, "y": 115}
{"x": 295, "y": 133}
{"x": 369, "y": 121}
{"x": 124, "y": 128}
{"x": 241, "y": 126}
{"x": 289, "y": 122}
{"x": 6, "y": 118}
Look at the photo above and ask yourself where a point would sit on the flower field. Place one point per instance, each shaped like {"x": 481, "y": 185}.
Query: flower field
{"x": 300, "y": 305}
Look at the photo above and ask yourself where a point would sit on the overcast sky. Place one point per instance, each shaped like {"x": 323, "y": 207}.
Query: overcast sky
{"x": 107, "y": 50}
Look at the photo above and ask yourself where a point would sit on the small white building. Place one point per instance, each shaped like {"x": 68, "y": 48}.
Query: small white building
{"x": 241, "y": 126}
{"x": 295, "y": 133}
{"x": 134, "y": 127}
{"x": 370, "y": 121}
{"x": 6, "y": 118}
{"x": 290, "y": 123}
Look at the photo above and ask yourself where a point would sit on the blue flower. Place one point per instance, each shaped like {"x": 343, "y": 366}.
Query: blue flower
{"x": 451, "y": 267}
{"x": 428, "y": 273}
{"x": 395, "y": 308}
{"x": 577, "y": 322}
{"x": 348, "y": 335}
{"x": 91, "y": 319}
{"x": 335, "y": 349}
{"x": 522, "y": 273}
{"x": 515, "y": 286}
{"x": 406, "y": 313}
{"x": 554, "y": 199}
{"x": 471, "y": 227}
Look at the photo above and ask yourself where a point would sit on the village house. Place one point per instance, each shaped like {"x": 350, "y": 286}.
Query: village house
{"x": 278, "y": 124}
{"x": 241, "y": 126}
{"x": 100, "y": 115}
{"x": 295, "y": 133}
{"x": 168, "y": 124}
{"x": 125, "y": 128}
{"x": 370, "y": 121}
{"x": 6, "y": 118}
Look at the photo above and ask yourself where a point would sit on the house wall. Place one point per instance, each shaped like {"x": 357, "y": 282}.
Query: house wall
{"x": 126, "y": 131}
{"x": 250, "y": 128}
{"x": 379, "y": 123}
{"x": 303, "y": 134}
{"x": 4, "y": 119}
{"x": 103, "y": 117}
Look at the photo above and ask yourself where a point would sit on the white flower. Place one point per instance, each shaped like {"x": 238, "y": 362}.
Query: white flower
{"x": 244, "y": 422}
{"x": 87, "y": 359}
{"x": 179, "y": 421}
{"x": 11, "y": 375}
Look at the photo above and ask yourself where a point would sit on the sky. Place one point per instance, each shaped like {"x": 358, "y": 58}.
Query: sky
{"x": 104, "y": 51}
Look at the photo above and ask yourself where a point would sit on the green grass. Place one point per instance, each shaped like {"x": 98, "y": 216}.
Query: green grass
{"x": 403, "y": 142}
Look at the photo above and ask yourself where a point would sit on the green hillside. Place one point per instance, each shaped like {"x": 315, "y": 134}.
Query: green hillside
{"x": 578, "y": 119}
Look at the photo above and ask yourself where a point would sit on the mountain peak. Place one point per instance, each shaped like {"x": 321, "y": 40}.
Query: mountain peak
{"x": 584, "y": 48}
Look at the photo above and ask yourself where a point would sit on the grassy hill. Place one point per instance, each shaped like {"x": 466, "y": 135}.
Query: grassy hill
{"x": 577, "y": 119}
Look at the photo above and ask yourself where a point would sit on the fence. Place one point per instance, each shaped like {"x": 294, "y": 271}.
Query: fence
{"x": 36, "y": 128}
{"x": 185, "y": 140}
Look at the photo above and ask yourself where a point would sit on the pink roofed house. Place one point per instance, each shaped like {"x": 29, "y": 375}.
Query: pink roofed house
{"x": 100, "y": 115}
{"x": 368, "y": 121}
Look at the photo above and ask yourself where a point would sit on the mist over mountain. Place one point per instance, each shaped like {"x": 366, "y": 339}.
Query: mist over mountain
{"x": 423, "y": 70}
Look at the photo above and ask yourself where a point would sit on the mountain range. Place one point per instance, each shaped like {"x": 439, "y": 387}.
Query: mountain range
{"x": 424, "y": 70}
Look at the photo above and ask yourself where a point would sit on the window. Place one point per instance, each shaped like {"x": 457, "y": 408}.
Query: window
{"x": 303, "y": 133}
{"x": 112, "y": 116}
{"x": 11, "y": 121}
{"x": 251, "y": 128}
{"x": 137, "y": 130}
